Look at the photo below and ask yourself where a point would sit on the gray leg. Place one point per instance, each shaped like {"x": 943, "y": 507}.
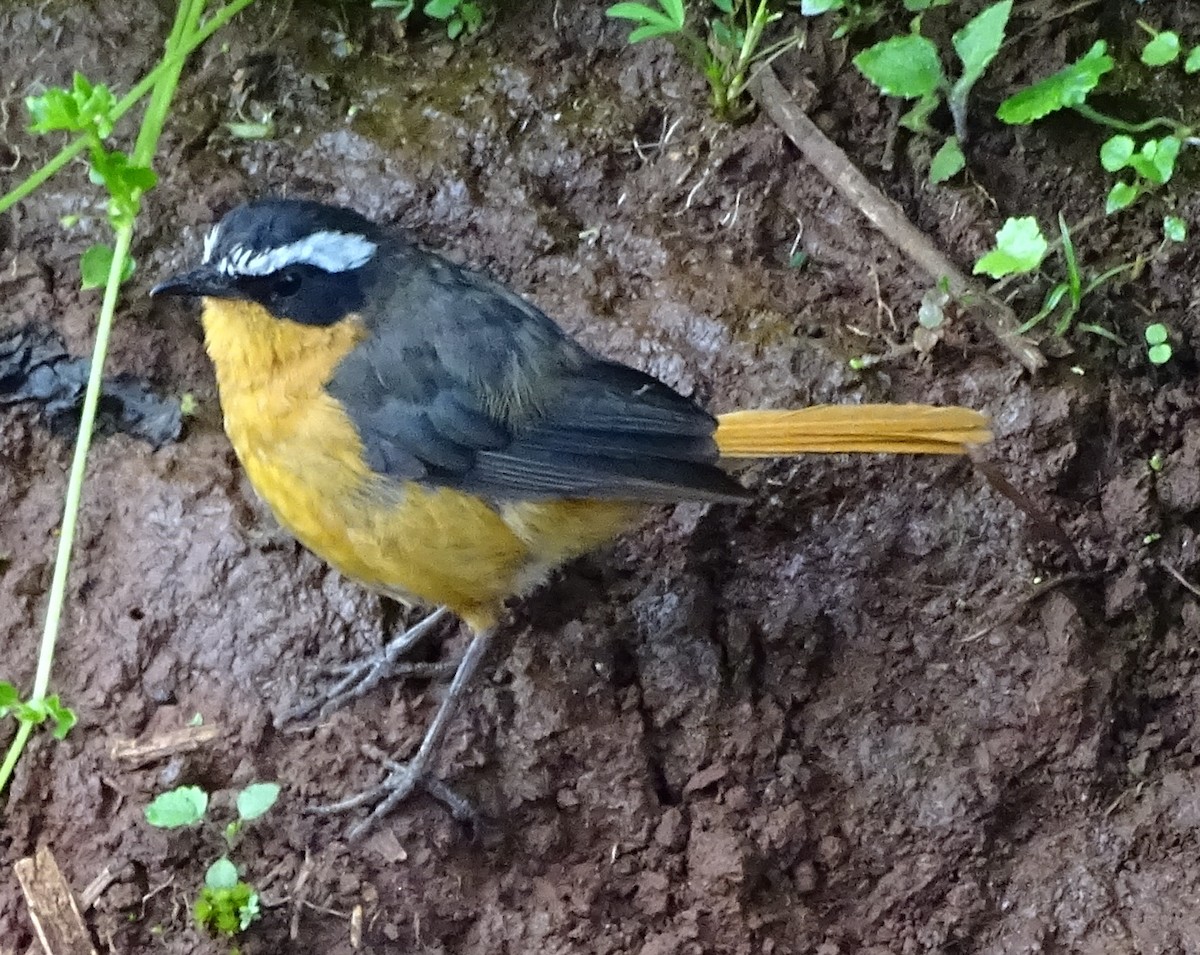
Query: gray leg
{"x": 362, "y": 676}
{"x": 405, "y": 778}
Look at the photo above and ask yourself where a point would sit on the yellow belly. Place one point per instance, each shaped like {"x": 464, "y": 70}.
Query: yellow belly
{"x": 303, "y": 456}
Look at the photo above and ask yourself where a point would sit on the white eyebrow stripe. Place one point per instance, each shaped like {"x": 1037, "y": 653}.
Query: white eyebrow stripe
{"x": 330, "y": 251}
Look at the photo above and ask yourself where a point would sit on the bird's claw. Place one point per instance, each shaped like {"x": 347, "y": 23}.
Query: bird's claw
{"x": 403, "y": 781}
{"x": 361, "y": 676}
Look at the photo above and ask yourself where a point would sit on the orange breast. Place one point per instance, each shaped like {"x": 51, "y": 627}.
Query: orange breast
{"x": 303, "y": 456}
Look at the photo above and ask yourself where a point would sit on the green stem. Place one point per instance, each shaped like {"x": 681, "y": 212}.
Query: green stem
{"x": 755, "y": 25}
{"x": 1090, "y": 112}
{"x": 126, "y": 103}
{"x": 184, "y": 38}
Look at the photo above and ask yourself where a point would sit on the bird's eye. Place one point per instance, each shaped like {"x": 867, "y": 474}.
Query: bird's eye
{"x": 285, "y": 283}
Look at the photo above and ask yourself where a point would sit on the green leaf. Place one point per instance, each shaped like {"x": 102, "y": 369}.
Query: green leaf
{"x": 249, "y": 911}
{"x": 1020, "y": 247}
{"x": 722, "y": 34}
{"x": 813, "y": 8}
{"x": 1120, "y": 196}
{"x": 649, "y": 32}
{"x": 222, "y": 874}
{"x": 1070, "y": 86}
{"x": 917, "y": 118}
{"x": 1156, "y": 334}
{"x": 440, "y": 9}
{"x": 1165, "y": 155}
{"x": 725, "y": 6}
{"x": 947, "y": 161}
{"x": 1192, "y": 63}
{"x": 472, "y": 16}
{"x": 64, "y": 717}
{"x": 979, "y": 41}
{"x": 9, "y": 697}
{"x": 906, "y": 66}
{"x": 184, "y": 806}
{"x": 53, "y": 110}
{"x": 1162, "y": 49}
{"x": 1174, "y": 229}
{"x": 96, "y": 263}
{"x": 256, "y": 799}
{"x": 454, "y": 27}
{"x": 669, "y": 20}
{"x": 1115, "y": 152}
{"x": 1159, "y": 354}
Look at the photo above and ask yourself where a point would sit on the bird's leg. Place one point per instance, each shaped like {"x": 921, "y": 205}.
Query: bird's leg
{"x": 405, "y": 778}
{"x": 362, "y": 676}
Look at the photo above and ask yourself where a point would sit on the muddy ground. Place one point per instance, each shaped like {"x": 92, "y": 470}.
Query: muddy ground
{"x": 845, "y": 718}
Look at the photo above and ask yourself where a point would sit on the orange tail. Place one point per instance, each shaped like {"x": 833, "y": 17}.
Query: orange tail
{"x": 832, "y": 429}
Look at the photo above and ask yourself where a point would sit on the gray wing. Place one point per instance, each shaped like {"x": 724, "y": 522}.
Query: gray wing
{"x": 464, "y": 385}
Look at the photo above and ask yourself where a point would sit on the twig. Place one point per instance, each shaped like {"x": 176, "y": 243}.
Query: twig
{"x": 1046, "y": 525}
{"x": 835, "y": 166}
{"x": 183, "y": 740}
{"x": 300, "y": 895}
{"x": 87, "y": 898}
{"x": 1023, "y": 604}
{"x": 1184, "y": 582}
{"x": 56, "y": 919}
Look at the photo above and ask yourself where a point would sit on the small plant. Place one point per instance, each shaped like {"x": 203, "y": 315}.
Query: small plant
{"x": 855, "y": 15}
{"x": 1158, "y": 348}
{"x": 1021, "y": 247}
{"x": 90, "y": 111}
{"x": 910, "y": 67}
{"x": 36, "y": 712}
{"x": 1153, "y": 161}
{"x": 460, "y": 16}
{"x": 852, "y": 14}
{"x": 724, "y": 56}
{"x": 87, "y": 109}
{"x": 225, "y": 904}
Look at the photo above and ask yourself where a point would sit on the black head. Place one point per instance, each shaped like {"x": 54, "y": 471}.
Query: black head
{"x": 300, "y": 260}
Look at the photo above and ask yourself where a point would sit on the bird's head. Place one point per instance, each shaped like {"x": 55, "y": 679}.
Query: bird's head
{"x": 302, "y": 261}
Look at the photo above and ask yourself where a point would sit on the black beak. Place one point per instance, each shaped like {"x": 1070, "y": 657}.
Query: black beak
{"x": 204, "y": 280}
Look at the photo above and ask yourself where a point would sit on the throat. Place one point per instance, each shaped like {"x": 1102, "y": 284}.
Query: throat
{"x": 253, "y": 350}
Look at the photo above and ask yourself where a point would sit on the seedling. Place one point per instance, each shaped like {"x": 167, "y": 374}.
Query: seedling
{"x": 1153, "y": 161}
{"x": 1021, "y": 248}
{"x": 36, "y": 712}
{"x": 225, "y": 904}
{"x": 724, "y": 55}
{"x": 854, "y": 15}
{"x": 910, "y": 67}
{"x": 1158, "y": 348}
{"x": 461, "y": 17}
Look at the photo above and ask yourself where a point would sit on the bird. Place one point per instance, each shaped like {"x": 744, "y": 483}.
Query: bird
{"x": 440, "y": 440}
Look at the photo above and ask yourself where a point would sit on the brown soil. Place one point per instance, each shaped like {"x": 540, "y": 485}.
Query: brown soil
{"x": 785, "y": 727}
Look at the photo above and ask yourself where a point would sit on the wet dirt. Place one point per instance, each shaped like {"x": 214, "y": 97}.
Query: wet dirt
{"x": 844, "y": 718}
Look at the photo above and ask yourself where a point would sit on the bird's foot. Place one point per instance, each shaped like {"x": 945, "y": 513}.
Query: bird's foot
{"x": 404, "y": 779}
{"x": 363, "y": 675}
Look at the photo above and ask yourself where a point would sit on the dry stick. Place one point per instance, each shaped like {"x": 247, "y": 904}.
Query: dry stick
{"x": 835, "y": 166}
{"x": 1186, "y": 584}
{"x": 56, "y": 918}
{"x": 1023, "y": 603}
{"x": 186, "y": 739}
{"x": 87, "y": 898}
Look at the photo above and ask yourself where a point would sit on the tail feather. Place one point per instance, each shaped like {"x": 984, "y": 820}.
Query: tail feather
{"x": 834, "y": 429}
